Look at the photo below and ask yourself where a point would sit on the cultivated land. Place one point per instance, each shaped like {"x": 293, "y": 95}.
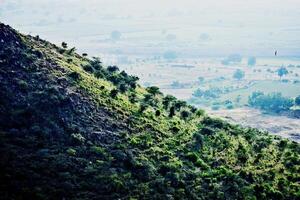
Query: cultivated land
{"x": 261, "y": 77}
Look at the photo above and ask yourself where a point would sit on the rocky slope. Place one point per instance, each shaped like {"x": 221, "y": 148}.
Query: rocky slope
{"x": 73, "y": 129}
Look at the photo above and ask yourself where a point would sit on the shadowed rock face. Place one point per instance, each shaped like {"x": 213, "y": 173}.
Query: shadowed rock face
{"x": 63, "y": 135}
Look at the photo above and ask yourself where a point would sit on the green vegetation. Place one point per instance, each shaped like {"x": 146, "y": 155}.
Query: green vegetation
{"x": 282, "y": 71}
{"x": 273, "y": 102}
{"x": 252, "y": 61}
{"x": 79, "y": 130}
{"x": 239, "y": 74}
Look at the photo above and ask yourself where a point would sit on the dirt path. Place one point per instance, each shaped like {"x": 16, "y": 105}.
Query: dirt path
{"x": 277, "y": 125}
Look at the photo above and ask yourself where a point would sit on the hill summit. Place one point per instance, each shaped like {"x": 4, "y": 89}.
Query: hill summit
{"x": 71, "y": 128}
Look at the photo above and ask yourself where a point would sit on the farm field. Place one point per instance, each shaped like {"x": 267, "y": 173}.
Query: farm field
{"x": 183, "y": 82}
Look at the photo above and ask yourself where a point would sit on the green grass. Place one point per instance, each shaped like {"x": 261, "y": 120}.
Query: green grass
{"x": 287, "y": 89}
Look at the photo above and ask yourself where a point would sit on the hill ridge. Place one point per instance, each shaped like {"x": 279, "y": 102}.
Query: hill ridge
{"x": 72, "y": 128}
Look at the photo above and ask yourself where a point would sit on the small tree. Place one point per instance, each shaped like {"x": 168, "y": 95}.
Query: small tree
{"x": 157, "y": 113}
{"x": 114, "y": 93}
{"x": 239, "y": 74}
{"x": 64, "y": 45}
{"x": 143, "y": 107}
{"x": 167, "y": 100}
{"x": 297, "y": 101}
{"x": 96, "y": 63}
{"x": 252, "y": 61}
{"x": 179, "y": 104}
{"x": 282, "y": 71}
{"x": 71, "y": 51}
{"x": 115, "y": 35}
{"x": 172, "y": 112}
{"x": 112, "y": 69}
{"x": 185, "y": 114}
{"x": 123, "y": 87}
{"x": 153, "y": 90}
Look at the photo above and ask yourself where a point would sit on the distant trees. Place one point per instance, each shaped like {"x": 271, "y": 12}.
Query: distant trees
{"x": 233, "y": 58}
{"x": 252, "y": 61}
{"x": 204, "y": 37}
{"x": 171, "y": 37}
{"x": 211, "y": 93}
{"x": 273, "y": 102}
{"x": 170, "y": 55}
{"x": 115, "y": 35}
{"x": 200, "y": 79}
{"x": 282, "y": 71}
{"x": 239, "y": 74}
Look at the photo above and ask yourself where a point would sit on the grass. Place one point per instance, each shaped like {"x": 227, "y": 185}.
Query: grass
{"x": 287, "y": 89}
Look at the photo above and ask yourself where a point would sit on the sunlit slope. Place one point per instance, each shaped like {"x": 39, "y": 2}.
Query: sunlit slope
{"x": 73, "y": 129}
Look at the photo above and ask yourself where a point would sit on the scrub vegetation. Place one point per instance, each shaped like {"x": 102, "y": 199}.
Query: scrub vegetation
{"x": 71, "y": 128}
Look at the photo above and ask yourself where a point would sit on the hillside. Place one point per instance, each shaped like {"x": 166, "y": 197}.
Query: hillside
{"x": 71, "y": 128}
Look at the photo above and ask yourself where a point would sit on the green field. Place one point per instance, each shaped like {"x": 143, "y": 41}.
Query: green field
{"x": 287, "y": 89}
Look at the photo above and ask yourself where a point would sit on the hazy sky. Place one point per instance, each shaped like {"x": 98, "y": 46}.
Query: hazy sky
{"x": 250, "y": 27}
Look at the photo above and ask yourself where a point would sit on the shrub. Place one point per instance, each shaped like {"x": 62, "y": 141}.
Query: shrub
{"x": 71, "y": 151}
{"x": 75, "y": 76}
{"x": 114, "y": 93}
{"x": 172, "y": 112}
{"x": 167, "y": 100}
{"x": 200, "y": 112}
{"x": 185, "y": 114}
{"x": 123, "y": 87}
{"x": 88, "y": 68}
{"x": 153, "y": 90}
{"x": 157, "y": 113}
{"x": 71, "y": 51}
{"x": 133, "y": 98}
{"x": 112, "y": 69}
{"x": 64, "y": 45}
{"x": 77, "y": 137}
{"x": 297, "y": 101}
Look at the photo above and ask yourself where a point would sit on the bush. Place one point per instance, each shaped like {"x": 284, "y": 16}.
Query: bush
{"x": 75, "y": 76}
{"x": 114, "y": 93}
{"x": 185, "y": 114}
{"x": 273, "y": 102}
{"x": 112, "y": 69}
{"x": 172, "y": 112}
{"x": 297, "y": 101}
{"x": 71, "y": 51}
{"x": 71, "y": 152}
{"x": 64, "y": 45}
{"x": 157, "y": 113}
{"x": 88, "y": 68}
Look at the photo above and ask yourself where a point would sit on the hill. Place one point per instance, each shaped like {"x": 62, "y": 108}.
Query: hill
{"x": 71, "y": 128}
